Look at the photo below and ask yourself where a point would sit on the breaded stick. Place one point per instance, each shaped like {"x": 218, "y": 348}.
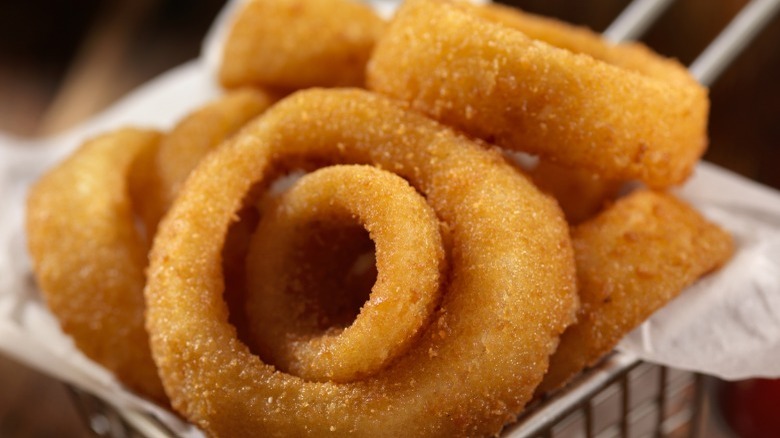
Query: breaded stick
{"x": 631, "y": 260}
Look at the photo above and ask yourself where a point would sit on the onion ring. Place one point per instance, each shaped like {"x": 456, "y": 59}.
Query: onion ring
{"x": 159, "y": 175}
{"x": 89, "y": 258}
{"x": 294, "y": 44}
{"x": 331, "y": 270}
{"x": 631, "y": 260}
{"x": 409, "y": 260}
{"x": 89, "y": 255}
{"x": 472, "y": 369}
{"x": 617, "y": 110}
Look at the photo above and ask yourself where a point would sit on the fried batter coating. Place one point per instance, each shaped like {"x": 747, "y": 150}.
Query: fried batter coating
{"x": 580, "y": 193}
{"x": 158, "y": 177}
{"x": 543, "y": 87}
{"x": 295, "y": 44}
{"x": 409, "y": 259}
{"x": 631, "y": 260}
{"x": 433, "y": 351}
{"x": 473, "y": 368}
{"x": 89, "y": 258}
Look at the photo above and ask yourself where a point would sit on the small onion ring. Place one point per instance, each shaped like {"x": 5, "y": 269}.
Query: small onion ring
{"x": 409, "y": 260}
{"x": 294, "y": 44}
{"x": 617, "y": 110}
{"x": 631, "y": 260}
{"x": 473, "y": 368}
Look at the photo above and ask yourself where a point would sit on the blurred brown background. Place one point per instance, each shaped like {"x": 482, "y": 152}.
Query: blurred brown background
{"x": 61, "y": 62}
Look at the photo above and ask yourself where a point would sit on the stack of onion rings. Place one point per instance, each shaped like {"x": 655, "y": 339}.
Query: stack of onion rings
{"x": 439, "y": 386}
{"x": 631, "y": 260}
{"x": 474, "y": 279}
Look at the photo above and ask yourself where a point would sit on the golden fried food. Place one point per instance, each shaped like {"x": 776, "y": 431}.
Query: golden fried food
{"x": 631, "y": 260}
{"x": 476, "y": 364}
{"x": 414, "y": 283}
{"x": 294, "y": 44}
{"x": 158, "y": 177}
{"x": 89, "y": 254}
{"x": 539, "y": 86}
{"x": 580, "y": 193}
{"x": 89, "y": 258}
{"x": 410, "y": 264}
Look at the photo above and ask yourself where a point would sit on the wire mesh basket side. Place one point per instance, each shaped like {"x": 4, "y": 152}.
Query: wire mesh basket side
{"x": 619, "y": 397}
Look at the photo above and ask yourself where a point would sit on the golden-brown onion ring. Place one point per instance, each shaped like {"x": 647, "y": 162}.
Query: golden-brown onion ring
{"x": 294, "y": 44}
{"x": 631, "y": 260}
{"x": 474, "y": 367}
{"x": 158, "y": 177}
{"x": 617, "y": 110}
{"x": 409, "y": 261}
{"x": 89, "y": 258}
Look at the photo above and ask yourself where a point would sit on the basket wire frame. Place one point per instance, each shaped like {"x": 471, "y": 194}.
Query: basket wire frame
{"x": 106, "y": 420}
{"x": 619, "y": 397}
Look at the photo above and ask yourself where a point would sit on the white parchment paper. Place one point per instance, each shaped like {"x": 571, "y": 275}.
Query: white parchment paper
{"x": 727, "y": 325}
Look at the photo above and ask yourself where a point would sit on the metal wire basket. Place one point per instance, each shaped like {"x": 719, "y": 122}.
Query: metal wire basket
{"x": 620, "y": 397}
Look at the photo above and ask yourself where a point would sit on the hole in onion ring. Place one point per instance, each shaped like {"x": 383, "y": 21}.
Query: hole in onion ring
{"x": 331, "y": 293}
{"x": 305, "y": 273}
